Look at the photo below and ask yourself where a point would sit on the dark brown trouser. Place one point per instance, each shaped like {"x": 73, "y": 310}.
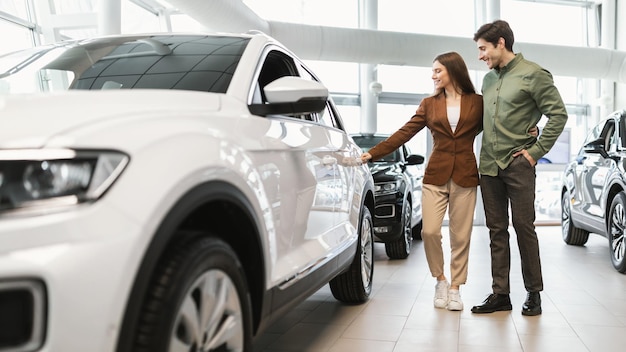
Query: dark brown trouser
{"x": 516, "y": 184}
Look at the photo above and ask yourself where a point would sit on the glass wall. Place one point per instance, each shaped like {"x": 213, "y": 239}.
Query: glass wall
{"x": 532, "y": 21}
{"x": 427, "y": 17}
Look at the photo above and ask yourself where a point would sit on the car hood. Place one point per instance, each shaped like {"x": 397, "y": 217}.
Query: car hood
{"x": 384, "y": 171}
{"x": 30, "y": 120}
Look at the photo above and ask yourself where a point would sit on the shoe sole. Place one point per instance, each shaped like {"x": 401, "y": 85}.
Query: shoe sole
{"x": 530, "y": 313}
{"x": 441, "y": 305}
{"x": 500, "y": 309}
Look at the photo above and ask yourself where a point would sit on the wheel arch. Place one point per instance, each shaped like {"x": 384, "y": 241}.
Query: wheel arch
{"x": 215, "y": 207}
{"x": 613, "y": 191}
{"x": 368, "y": 200}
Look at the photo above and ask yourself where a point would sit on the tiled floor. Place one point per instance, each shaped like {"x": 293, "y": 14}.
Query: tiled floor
{"x": 584, "y": 307}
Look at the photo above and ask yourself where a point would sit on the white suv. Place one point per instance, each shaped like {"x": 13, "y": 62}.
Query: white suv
{"x": 171, "y": 192}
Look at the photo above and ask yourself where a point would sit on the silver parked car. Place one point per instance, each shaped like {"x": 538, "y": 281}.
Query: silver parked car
{"x": 593, "y": 198}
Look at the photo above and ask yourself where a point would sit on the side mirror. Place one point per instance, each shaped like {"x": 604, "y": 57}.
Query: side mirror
{"x": 596, "y": 147}
{"x": 292, "y": 96}
{"x": 414, "y": 159}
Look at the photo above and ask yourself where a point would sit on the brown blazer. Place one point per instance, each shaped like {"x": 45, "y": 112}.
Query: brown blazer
{"x": 453, "y": 153}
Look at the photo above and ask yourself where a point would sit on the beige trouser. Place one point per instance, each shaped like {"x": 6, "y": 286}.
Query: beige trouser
{"x": 460, "y": 202}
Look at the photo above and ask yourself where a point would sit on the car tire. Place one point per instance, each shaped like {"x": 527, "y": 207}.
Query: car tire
{"x": 197, "y": 299}
{"x": 355, "y": 285}
{"x": 616, "y": 232}
{"x": 417, "y": 231}
{"x": 572, "y": 235}
{"x": 401, "y": 247}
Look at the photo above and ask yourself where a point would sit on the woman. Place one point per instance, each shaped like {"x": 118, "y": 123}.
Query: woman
{"x": 453, "y": 113}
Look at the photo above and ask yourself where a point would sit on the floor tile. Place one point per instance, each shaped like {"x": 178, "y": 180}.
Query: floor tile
{"x": 583, "y": 306}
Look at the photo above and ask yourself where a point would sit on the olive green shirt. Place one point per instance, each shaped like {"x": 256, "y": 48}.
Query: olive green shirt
{"x": 515, "y": 98}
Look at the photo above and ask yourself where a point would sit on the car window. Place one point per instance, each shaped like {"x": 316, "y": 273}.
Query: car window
{"x": 391, "y": 157}
{"x": 199, "y": 63}
{"x": 191, "y": 63}
{"x": 622, "y": 131}
{"x": 276, "y": 65}
{"x": 329, "y": 116}
{"x": 610, "y": 136}
{"x": 368, "y": 142}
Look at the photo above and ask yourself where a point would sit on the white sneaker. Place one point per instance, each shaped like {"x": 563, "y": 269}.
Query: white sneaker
{"x": 441, "y": 294}
{"x": 454, "y": 300}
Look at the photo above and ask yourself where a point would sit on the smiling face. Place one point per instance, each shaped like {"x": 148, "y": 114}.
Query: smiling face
{"x": 490, "y": 54}
{"x": 440, "y": 76}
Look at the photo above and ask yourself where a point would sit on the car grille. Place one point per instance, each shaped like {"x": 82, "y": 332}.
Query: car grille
{"x": 22, "y": 315}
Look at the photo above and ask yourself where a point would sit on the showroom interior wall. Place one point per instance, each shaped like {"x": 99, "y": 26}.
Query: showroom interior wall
{"x": 354, "y": 45}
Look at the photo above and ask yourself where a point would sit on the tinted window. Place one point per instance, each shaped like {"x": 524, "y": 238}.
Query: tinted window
{"x": 368, "y": 142}
{"x": 193, "y": 63}
{"x": 201, "y": 63}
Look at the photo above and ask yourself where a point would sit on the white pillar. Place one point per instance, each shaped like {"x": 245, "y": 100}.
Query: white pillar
{"x": 109, "y": 17}
{"x": 608, "y": 34}
{"x": 486, "y": 11}
{"x": 368, "y": 16}
{"x": 492, "y": 12}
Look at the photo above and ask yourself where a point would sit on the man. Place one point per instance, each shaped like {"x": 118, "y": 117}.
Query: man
{"x": 516, "y": 94}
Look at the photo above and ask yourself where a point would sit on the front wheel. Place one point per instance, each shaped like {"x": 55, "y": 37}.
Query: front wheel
{"x": 197, "y": 301}
{"x": 401, "y": 247}
{"x": 571, "y": 234}
{"x": 616, "y": 229}
{"x": 355, "y": 285}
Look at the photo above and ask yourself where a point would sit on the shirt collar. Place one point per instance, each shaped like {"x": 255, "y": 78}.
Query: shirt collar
{"x": 508, "y": 67}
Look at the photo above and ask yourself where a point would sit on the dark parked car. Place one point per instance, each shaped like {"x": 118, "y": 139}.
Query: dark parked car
{"x": 398, "y": 211}
{"x": 593, "y": 196}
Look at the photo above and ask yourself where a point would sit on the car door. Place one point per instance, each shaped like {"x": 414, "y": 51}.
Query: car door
{"x": 597, "y": 167}
{"x": 301, "y": 178}
{"x": 343, "y": 155}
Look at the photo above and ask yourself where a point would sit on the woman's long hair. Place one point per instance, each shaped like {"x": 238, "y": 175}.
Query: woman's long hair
{"x": 457, "y": 70}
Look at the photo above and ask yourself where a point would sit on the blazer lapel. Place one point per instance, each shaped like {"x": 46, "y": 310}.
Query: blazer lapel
{"x": 442, "y": 114}
{"x": 465, "y": 109}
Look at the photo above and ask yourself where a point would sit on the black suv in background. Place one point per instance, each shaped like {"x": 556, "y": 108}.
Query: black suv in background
{"x": 398, "y": 181}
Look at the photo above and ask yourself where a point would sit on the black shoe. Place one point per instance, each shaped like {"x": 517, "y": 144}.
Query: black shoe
{"x": 532, "y": 306}
{"x": 494, "y": 303}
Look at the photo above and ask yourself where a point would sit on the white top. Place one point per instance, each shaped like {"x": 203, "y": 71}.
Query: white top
{"x": 454, "y": 112}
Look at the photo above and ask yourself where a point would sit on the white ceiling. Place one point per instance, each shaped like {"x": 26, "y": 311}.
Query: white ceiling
{"x": 394, "y": 48}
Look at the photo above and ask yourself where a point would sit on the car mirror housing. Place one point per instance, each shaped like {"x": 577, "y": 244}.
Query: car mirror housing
{"x": 596, "y": 147}
{"x": 414, "y": 159}
{"x": 292, "y": 95}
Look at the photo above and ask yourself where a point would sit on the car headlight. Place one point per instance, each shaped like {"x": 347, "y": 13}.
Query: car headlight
{"x": 44, "y": 177}
{"x": 386, "y": 187}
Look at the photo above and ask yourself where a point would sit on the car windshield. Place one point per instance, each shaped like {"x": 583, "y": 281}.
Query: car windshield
{"x": 368, "y": 142}
{"x": 200, "y": 63}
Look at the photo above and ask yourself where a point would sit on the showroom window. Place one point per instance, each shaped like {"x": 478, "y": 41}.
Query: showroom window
{"x": 15, "y": 37}
{"x": 335, "y": 13}
{"x": 427, "y": 17}
{"x": 533, "y": 21}
{"x": 570, "y": 29}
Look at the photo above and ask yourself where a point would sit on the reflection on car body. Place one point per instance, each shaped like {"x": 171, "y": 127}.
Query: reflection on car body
{"x": 593, "y": 195}
{"x": 165, "y": 191}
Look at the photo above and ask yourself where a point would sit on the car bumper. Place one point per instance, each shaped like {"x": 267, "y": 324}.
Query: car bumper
{"x": 388, "y": 217}
{"x": 65, "y": 278}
